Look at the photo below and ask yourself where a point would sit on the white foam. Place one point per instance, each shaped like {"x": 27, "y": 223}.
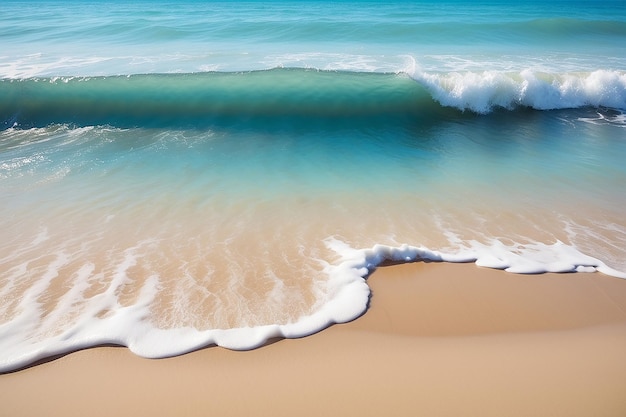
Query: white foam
{"x": 618, "y": 120}
{"x": 42, "y": 236}
{"x": 484, "y": 91}
{"x": 333, "y": 61}
{"x": 344, "y": 297}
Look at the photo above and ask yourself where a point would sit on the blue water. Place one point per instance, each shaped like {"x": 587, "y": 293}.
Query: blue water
{"x": 175, "y": 175}
{"x": 103, "y": 38}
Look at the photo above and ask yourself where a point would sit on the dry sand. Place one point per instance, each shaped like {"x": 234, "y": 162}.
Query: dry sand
{"x": 438, "y": 340}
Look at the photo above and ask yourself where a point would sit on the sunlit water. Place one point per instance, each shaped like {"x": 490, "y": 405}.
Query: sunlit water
{"x": 218, "y": 205}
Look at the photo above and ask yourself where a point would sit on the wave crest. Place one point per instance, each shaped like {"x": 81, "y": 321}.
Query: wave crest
{"x": 296, "y": 95}
{"x": 482, "y": 92}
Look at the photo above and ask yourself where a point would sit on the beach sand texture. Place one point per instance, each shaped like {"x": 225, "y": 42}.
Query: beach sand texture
{"x": 438, "y": 339}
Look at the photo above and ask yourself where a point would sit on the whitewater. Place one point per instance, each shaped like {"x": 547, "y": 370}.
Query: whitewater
{"x": 177, "y": 177}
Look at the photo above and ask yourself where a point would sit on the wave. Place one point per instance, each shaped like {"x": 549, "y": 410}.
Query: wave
{"x": 482, "y": 92}
{"x": 347, "y": 289}
{"x": 205, "y": 98}
{"x": 196, "y": 99}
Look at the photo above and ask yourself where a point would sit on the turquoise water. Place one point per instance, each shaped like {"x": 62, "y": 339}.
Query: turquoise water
{"x": 176, "y": 175}
{"x": 104, "y": 38}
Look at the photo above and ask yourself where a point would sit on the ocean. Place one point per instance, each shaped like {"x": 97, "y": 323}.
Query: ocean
{"x": 176, "y": 175}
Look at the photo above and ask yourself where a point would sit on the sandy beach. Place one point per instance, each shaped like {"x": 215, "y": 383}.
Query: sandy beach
{"x": 438, "y": 340}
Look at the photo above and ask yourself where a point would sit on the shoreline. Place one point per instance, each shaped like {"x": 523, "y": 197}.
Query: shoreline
{"x": 439, "y": 339}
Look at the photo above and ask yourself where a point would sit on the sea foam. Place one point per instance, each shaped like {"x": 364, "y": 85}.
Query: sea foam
{"x": 345, "y": 297}
{"x": 485, "y": 91}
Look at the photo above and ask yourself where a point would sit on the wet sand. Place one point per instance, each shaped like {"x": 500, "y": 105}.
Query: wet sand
{"x": 438, "y": 340}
